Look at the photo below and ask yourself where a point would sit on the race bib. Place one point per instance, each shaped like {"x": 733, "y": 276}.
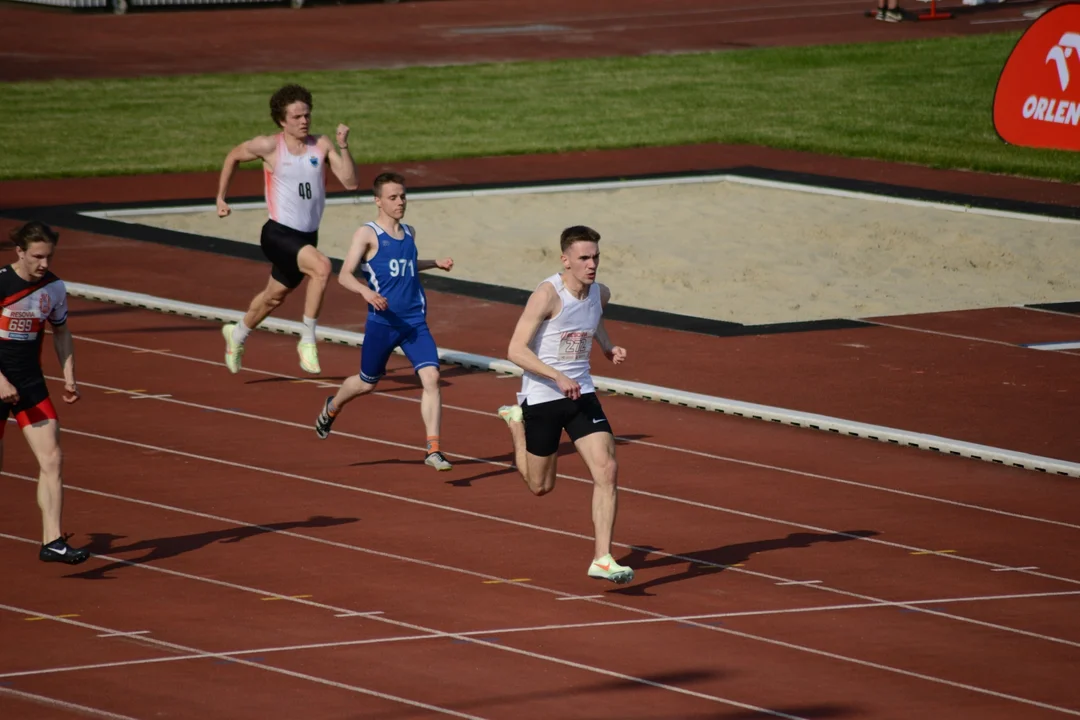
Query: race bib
{"x": 574, "y": 346}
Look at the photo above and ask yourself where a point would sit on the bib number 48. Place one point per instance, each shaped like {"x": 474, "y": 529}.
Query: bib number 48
{"x": 305, "y": 191}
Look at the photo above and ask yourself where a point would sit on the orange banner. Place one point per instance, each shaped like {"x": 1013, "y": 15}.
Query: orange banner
{"x": 1037, "y": 101}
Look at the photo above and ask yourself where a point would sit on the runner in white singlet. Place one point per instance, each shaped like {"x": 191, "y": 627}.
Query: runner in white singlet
{"x": 552, "y": 343}
{"x": 294, "y": 172}
{"x": 296, "y": 185}
{"x": 563, "y": 343}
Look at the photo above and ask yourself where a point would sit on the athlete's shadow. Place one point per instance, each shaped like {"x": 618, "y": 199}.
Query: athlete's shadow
{"x": 167, "y": 547}
{"x": 700, "y": 563}
{"x": 298, "y": 381}
{"x": 154, "y": 329}
{"x": 402, "y": 379}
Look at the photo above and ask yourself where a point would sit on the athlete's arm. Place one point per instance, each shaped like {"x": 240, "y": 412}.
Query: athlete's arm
{"x": 257, "y": 148}
{"x": 358, "y": 251}
{"x": 65, "y": 353}
{"x": 612, "y": 352}
{"x": 341, "y": 163}
{"x": 446, "y": 264}
{"x": 540, "y": 307}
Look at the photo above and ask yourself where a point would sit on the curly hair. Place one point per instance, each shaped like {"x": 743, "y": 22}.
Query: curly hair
{"x": 285, "y": 97}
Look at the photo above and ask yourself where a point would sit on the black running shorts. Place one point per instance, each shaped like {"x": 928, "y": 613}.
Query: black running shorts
{"x": 31, "y": 395}
{"x": 545, "y": 422}
{"x": 282, "y": 245}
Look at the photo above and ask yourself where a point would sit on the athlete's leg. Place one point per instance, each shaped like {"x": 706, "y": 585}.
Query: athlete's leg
{"x": 431, "y": 401}
{"x": 263, "y": 304}
{"x": 535, "y": 432}
{"x": 236, "y": 334}
{"x": 42, "y": 432}
{"x": 595, "y": 442}
{"x": 419, "y": 347}
{"x": 598, "y": 452}
{"x": 539, "y": 473}
{"x": 44, "y": 440}
{"x": 379, "y": 341}
{"x": 317, "y": 268}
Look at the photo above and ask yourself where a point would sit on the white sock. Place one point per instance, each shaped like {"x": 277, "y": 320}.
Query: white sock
{"x": 308, "y": 336}
{"x": 240, "y": 332}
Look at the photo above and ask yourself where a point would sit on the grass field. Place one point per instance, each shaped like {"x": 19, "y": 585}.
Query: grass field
{"x": 926, "y": 102}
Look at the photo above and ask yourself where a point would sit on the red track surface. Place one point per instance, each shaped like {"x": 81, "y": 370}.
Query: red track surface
{"x": 230, "y": 528}
{"x": 221, "y": 454}
{"x": 41, "y": 46}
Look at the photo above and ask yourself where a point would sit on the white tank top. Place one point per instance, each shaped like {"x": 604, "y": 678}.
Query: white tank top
{"x": 296, "y": 187}
{"x": 564, "y": 342}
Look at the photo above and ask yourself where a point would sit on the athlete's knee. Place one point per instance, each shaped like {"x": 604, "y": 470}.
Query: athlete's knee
{"x": 539, "y": 486}
{"x": 606, "y": 471}
{"x": 541, "y": 480}
{"x": 429, "y": 378}
{"x": 358, "y": 385}
{"x": 317, "y": 267}
{"x": 50, "y": 461}
{"x": 273, "y": 299}
{"x": 321, "y": 268}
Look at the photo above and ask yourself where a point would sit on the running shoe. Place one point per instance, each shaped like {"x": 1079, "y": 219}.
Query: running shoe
{"x": 325, "y": 419}
{"x": 59, "y": 551}
{"x": 234, "y": 351}
{"x": 437, "y": 461}
{"x": 607, "y": 569}
{"x": 309, "y": 357}
{"x": 510, "y": 413}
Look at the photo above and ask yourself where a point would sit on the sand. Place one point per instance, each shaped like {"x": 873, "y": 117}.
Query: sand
{"x": 726, "y": 250}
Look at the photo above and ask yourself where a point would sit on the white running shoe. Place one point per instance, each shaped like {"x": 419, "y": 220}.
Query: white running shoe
{"x": 606, "y": 568}
{"x": 438, "y": 461}
{"x": 309, "y": 357}
{"x": 510, "y": 413}
{"x": 234, "y": 351}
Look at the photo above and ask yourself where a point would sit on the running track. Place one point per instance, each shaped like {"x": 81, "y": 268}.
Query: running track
{"x": 781, "y": 572}
{"x": 226, "y": 526}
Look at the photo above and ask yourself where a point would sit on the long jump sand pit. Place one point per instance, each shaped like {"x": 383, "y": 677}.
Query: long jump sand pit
{"x": 723, "y": 248}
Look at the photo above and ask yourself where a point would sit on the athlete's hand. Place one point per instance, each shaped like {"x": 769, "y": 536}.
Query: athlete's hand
{"x": 8, "y": 393}
{"x": 343, "y": 136}
{"x": 376, "y": 300}
{"x": 446, "y": 264}
{"x": 223, "y": 208}
{"x": 569, "y": 388}
{"x": 71, "y": 393}
{"x": 616, "y": 354}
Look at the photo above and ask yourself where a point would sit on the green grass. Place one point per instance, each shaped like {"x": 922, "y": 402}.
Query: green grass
{"x": 925, "y": 102}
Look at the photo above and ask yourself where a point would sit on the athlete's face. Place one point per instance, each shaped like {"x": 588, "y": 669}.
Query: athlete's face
{"x": 297, "y": 119}
{"x": 392, "y": 200}
{"x": 582, "y": 259}
{"x": 35, "y": 259}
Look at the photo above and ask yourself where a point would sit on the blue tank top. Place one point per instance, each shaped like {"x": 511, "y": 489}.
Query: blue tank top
{"x": 393, "y": 274}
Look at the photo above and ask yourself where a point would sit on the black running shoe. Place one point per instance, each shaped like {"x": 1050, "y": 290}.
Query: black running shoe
{"x": 59, "y": 551}
{"x": 325, "y": 420}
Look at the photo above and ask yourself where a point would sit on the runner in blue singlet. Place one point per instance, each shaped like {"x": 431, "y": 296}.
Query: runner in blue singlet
{"x": 385, "y": 252}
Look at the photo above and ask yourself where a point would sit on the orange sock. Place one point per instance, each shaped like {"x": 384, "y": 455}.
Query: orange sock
{"x": 432, "y": 444}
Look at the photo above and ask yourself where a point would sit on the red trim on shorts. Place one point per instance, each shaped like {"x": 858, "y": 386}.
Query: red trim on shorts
{"x": 44, "y": 410}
